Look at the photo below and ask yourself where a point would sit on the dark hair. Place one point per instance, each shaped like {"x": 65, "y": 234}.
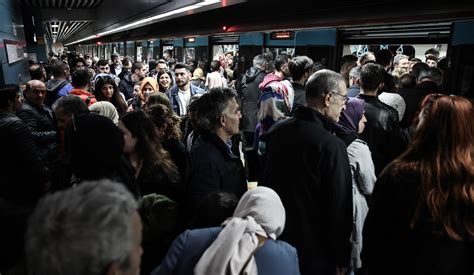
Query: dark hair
{"x": 102, "y": 62}
{"x": 417, "y": 68}
{"x": 158, "y": 98}
{"x": 214, "y": 209}
{"x": 160, "y": 73}
{"x": 371, "y": 75}
{"x": 168, "y": 51}
{"x": 117, "y": 99}
{"x": 215, "y": 65}
{"x": 431, "y": 73}
{"x": 384, "y": 57}
{"x": 59, "y": 68}
{"x": 161, "y": 61}
{"x": 432, "y": 57}
{"x": 211, "y": 106}
{"x": 415, "y": 59}
{"x": 152, "y": 64}
{"x": 432, "y": 52}
{"x": 8, "y": 93}
{"x": 36, "y": 71}
{"x": 127, "y": 61}
{"x": 348, "y": 59}
{"x": 280, "y": 60}
{"x": 80, "y": 78}
{"x": 317, "y": 66}
{"x": 300, "y": 65}
{"x": 182, "y": 66}
{"x": 77, "y": 60}
{"x": 148, "y": 146}
{"x": 72, "y": 105}
{"x": 137, "y": 66}
{"x": 407, "y": 81}
{"x": 364, "y": 59}
{"x": 162, "y": 116}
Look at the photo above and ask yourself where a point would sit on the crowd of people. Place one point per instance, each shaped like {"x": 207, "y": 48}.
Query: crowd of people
{"x": 120, "y": 167}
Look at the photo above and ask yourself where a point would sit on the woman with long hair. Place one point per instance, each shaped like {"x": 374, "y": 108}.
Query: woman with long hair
{"x": 167, "y": 125}
{"x": 105, "y": 89}
{"x": 154, "y": 169}
{"x": 351, "y": 124}
{"x": 165, "y": 80}
{"x": 421, "y": 217}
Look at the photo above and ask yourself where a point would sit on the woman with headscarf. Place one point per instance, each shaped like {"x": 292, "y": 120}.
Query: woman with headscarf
{"x": 351, "y": 124}
{"x": 148, "y": 86}
{"x": 246, "y": 244}
{"x": 106, "y": 109}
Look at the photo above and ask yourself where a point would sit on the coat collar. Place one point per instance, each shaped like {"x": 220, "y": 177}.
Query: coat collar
{"x": 221, "y": 145}
{"x": 309, "y": 114}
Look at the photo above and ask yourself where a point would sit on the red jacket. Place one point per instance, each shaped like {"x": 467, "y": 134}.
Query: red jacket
{"x": 86, "y": 96}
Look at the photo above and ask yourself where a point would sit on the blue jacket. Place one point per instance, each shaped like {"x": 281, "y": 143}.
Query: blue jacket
{"x": 273, "y": 258}
{"x": 174, "y": 97}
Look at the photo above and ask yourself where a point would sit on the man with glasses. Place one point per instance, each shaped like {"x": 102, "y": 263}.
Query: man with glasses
{"x": 308, "y": 167}
{"x": 382, "y": 130}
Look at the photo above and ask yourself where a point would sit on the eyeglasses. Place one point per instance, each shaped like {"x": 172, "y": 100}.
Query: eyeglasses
{"x": 345, "y": 98}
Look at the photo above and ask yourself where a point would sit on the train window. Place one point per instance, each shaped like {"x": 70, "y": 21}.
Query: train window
{"x": 189, "y": 53}
{"x": 413, "y": 50}
{"x": 290, "y": 52}
{"x": 221, "y": 50}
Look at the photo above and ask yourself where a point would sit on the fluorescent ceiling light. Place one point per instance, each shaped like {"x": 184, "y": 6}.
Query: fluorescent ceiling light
{"x": 149, "y": 19}
{"x": 55, "y": 26}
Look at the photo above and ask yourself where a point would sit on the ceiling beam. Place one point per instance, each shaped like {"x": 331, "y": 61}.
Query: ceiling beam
{"x": 74, "y": 14}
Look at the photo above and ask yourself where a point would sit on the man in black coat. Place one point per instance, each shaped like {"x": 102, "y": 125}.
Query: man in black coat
{"x": 382, "y": 131}
{"x": 23, "y": 177}
{"x": 428, "y": 81}
{"x": 309, "y": 169}
{"x": 212, "y": 165}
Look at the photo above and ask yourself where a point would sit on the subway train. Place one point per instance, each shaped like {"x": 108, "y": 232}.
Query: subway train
{"x": 453, "y": 39}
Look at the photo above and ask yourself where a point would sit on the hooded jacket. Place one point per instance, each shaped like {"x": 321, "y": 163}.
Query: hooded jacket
{"x": 56, "y": 88}
{"x": 250, "y": 95}
{"x": 126, "y": 86}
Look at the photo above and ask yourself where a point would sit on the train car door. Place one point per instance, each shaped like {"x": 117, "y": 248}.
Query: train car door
{"x": 462, "y": 59}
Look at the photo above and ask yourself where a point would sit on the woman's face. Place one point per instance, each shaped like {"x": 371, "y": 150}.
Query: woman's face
{"x": 165, "y": 81}
{"x": 108, "y": 91}
{"x": 130, "y": 141}
{"x": 362, "y": 122}
{"x": 147, "y": 90}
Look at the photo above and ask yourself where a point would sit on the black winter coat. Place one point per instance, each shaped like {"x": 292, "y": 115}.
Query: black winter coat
{"x": 382, "y": 132}
{"x": 213, "y": 168}
{"x": 309, "y": 168}
{"x": 250, "y": 96}
{"x": 41, "y": 123}
{"x": 22, "y": 173}
{"x": 413, "y": 97}
{"x": 392, "y": 247}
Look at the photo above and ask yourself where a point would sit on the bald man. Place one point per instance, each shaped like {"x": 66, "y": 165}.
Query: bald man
{"x": 39, "y": 119}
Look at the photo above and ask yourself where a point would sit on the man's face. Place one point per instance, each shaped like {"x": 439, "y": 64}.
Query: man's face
{"x": 80, "y": 66}
{"x": 431, "y": 63}
{"x": 62, "y": 118}
{"x": 89, "y": 62}
{"x": 337, "y": 103}
{"x": 127, "y": 67}
{"x": 37, "y": 93}
{"x": 17, "y": 102}
{"x": 232, "y": 118}
{"x": 286, "y": 70}
{"x": 182, "y": 77}
{"x": 104, "y": 69}
{"x": 141, "y": 73}
{"x": 404, "y": 64}
{"x": 161, "y": 67}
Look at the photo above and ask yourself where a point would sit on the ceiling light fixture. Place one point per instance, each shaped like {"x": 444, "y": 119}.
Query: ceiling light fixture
{"x": 149, "y": 19}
